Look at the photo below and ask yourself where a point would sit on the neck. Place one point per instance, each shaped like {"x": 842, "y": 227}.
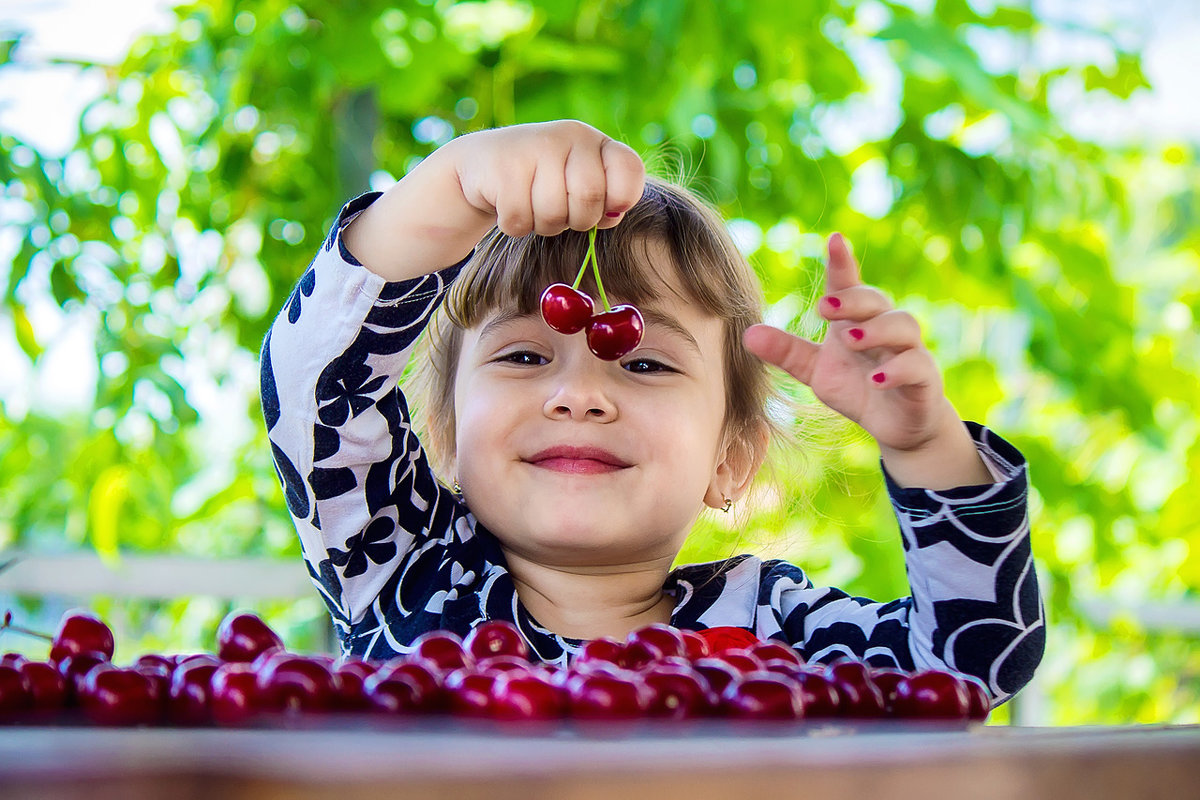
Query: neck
{"x": 586, "y": 603}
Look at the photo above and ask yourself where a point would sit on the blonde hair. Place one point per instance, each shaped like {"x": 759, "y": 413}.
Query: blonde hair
{"x": 506, "y": 272}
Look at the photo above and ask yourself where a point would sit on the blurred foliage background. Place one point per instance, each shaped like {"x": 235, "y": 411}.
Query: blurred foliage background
{"x": 1057, "y": 278}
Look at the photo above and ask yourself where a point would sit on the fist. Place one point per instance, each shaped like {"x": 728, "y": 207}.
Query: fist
{"x": 548, "y": 177}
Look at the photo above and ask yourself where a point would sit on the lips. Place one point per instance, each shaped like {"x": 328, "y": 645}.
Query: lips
{"x": 577, "y": 460}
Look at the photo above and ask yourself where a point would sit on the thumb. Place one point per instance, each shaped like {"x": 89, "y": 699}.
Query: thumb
{"x": 792, "y": 354}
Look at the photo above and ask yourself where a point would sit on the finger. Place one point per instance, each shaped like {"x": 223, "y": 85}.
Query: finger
{"x": 892, "y": 330}
{"x": 514, "y": 207}
{"x": 857, "y": 303}
{"x": 792, "y": 354}
{"x": 548, "y": 198}
{"x": 910, "y": 369}
{"x": 625, "y": 180}
{"x": 841, "y": 271}
{"x": 586, "y": 188}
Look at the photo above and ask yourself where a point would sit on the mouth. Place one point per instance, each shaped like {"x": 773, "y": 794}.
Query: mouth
{"x": 577, "y": 460}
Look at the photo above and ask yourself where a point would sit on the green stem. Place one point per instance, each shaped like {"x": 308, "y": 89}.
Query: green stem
{"x": 596, "y": 271}
{"x": 590, "y": 255}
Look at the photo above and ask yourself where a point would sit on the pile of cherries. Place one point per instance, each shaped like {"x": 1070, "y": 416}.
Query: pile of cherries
{"x": 658, "y": 672}
{"x": 612, "y": 333}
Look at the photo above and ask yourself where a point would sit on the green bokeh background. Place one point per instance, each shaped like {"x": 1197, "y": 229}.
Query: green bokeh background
{"x": 1057, "y": 279}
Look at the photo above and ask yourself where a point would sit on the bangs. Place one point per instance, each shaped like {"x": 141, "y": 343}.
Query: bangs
{"x": 511, "y": 273}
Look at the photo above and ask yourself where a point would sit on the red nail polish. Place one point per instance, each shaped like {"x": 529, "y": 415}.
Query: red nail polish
{"x": 856, "y": 334}
{"x": 879, "y": 377}
{"x": 833, "y": 302}
{"x": 612, "y": 214}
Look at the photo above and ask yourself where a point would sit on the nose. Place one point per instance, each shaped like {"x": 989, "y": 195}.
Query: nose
{"x": 580, "y": 392}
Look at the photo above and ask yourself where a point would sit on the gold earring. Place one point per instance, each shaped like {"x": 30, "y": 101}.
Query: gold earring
{"x": 457, "y": 488}
{"x": 728, "y": 504}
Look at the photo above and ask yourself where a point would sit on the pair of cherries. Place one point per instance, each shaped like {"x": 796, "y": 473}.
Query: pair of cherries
{"x": 611, "y": 333}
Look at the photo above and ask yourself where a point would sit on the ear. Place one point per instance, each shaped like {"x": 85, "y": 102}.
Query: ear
{"x": 741, "y": 457}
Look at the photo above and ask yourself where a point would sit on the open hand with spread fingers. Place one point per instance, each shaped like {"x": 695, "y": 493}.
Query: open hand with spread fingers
{"x": 873, "y": 368}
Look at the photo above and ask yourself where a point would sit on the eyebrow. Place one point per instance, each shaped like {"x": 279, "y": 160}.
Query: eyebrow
{"x": 651, "y": 316}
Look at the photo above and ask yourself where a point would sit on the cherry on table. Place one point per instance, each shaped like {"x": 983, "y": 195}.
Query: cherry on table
{"x": 76, "y": 666}
{"x": 980, "y": 698}
{"x": 612, "y": 334}
{"x": 496, "y": 637}
{"x": 605, "y": 696}
{"x": 695, "y": 646}
{"x": 763, "y": 696}
{"x": 294, "y": 684}
{"x": 244, "y": 636}
{"x": 677, "y": 692}
{"x": 527, "y": 697}
{"x": 565, "y": 309}
{"x": 235, "y": 698}
{"x": 442, "y": 649}
{"x": 15, "y": 695}
{"x": 47, "y": 686}
{"x": 821, "y": 697}
{"x": 858, "y": 696}
{"x": 189, "y": 697}
{"x": 718, "y": 672}
{"x": 603, "y": 648}
{"x": 81, "y": 631}
{"x": 887, "y": 679}
{"x": 774, "y": 651}
{"x": 931, "y": 694}
{"x": 120, "y": 696}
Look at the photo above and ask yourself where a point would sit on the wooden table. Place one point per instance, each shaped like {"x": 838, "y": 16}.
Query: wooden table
{"x": 351, "y": 761}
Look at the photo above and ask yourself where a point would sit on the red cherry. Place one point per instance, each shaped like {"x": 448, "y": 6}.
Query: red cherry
{"x": 442, "y": 649}
{"x": 774, "y": 651}
{"x": 601, "y": 649}
{"x": 717, "y": 672}
{"x": 47, "y": 686}
{"x": 76, "y": 666}
{"x": 665, "y": 638}
{"x": 858, "y": 696}
{"x": 763, "y": 695}
{"x": 189, "y": 698}
{"x": 931, "y": 695}
{"x": 349, "y": 684}
{"x": 887, "y": 679}
{"x": 115, "y": 696}
{"x": 742, "y": 660}
{"x": 980, "y": 698}
{"x": 496, "y": 638}
{"x": 677, "y": 692}
{"x": 604, "y": 695}
{"x": 695, "y": 645}
{"x": 469, "y": 691}
{"x": 294, "y": 684}
{"x": 502, "y": 663}
{"x": 14, "y": 660}
{"x": 81, "y": 631}
{"x": 16, "y": 699}
{"x": 565, "y": 309}
{"x": 404, "y": 687}
{"x": 527, "y": 697}
{"x": 235, "y": 696}
{"x": 612, "y": 334}
{"x": 243, "y": 636}
{"x": 821, "y": 698}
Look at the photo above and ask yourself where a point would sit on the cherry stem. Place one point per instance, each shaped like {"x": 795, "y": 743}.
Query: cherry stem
{"x": 590, "y": 255}
{"x": 596, "y": 272}
{"x": 8, "y": 626}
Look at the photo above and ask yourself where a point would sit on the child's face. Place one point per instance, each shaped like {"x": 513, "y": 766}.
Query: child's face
{"x": 571, "y": 460}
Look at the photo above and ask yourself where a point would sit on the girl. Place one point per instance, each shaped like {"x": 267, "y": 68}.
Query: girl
{"x": 574, "y": 481}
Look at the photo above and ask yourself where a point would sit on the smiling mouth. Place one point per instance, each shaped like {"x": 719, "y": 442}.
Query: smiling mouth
{"x": 577, "y": 460}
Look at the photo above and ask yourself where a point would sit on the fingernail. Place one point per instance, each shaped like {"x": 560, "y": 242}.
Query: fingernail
{"x": 857, "y": 334}
{"x": 833, "y": 302}
{"x": 879, "y": 377}
{"x": 612, "y": 214}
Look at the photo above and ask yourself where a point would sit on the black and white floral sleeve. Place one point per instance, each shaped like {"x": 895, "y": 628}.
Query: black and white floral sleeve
{"x": 975, "y": 606}
{"x": 354, "y": 475}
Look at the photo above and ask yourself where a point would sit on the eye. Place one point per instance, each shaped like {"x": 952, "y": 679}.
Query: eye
{"x": 523, "y": 358}
{"x": 646, "y": 366}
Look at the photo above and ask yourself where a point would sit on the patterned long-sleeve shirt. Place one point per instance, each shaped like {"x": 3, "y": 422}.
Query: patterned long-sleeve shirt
{"x": 394, "y": 553}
